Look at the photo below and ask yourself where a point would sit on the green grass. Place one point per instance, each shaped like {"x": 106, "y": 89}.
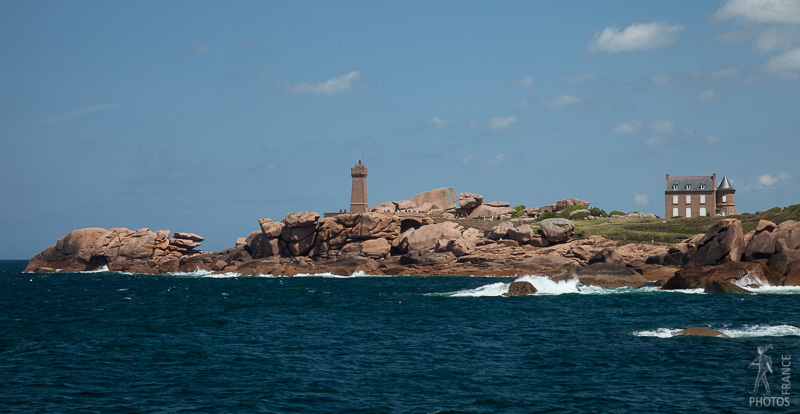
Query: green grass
{"x": 672, "y": 230}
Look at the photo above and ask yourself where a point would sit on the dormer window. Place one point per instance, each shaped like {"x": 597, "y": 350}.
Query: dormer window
{"x": 688, "y": 186}
{"x": 675, "y": 186}
{"x": 702, "y": 186}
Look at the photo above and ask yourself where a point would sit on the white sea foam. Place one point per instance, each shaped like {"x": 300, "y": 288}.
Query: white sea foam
{"x": 751, "y": 279}
{"x": 748, "y": 331}
{"x": 103, "y": 269}
{"x": 657, "y": 333}
{"x": 543, "y": 284}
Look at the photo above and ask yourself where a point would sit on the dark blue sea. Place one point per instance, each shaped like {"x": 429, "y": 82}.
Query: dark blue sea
{"x": 112, "y": 342}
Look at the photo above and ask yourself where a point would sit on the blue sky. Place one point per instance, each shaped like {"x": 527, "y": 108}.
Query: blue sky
{"x": 206, "y": 116}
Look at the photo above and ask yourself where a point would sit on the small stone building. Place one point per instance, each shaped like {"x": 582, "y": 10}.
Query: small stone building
{"x": 698, "y": 196}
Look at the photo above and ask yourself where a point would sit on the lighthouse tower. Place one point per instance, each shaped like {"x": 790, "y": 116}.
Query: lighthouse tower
{"x": 358, "y": 194}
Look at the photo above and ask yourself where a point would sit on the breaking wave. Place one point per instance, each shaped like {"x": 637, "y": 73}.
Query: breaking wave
{"x": 749, "y": 331}
{"x": 543, "y": 284}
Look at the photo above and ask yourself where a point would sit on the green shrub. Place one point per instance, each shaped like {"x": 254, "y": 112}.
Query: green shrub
{"x": 616, "y": 213}
{"x": 579, "y": 216}
{"x": 774, "y": 210}
{"x": 518, "y": 211}
{"x": 548, "y": 215}
{"x": 597, "y": 212}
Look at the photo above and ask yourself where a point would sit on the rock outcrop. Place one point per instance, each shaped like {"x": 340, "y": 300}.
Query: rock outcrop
{"x": 445, "y": 197}
{"x": 724, "y": 242}
{"x": 520, "y": 289}
{"x": 557, "y": 230}
{"x": 701, "y": 331}
{"x": 119, "y": 249}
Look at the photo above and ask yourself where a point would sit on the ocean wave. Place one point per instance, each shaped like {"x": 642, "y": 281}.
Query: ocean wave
{"x": 748, "y": 331}
{"x": 543, "y": 284}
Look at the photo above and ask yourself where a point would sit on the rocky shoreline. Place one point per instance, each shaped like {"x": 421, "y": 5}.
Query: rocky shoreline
{"x": 419, "y": 244}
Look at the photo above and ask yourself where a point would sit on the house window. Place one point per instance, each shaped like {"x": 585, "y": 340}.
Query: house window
{"x": 688, "y": 199}
{"x": 688, "y": 186}
{"x": 702, "y": 186}
{"x": 703, "y": 212}
{"x": 675, "y": 186}
{"x": 688, "y": 212}
{"x": 724, "y": 199}
{"x": 675, "y": 212}
{"x": 723, "y": 212}
{"x": 702, "y": 200}
{"x": 674, "y": 199}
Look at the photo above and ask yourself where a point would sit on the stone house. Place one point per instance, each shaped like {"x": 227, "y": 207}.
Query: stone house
{"x": 698, "y": 196}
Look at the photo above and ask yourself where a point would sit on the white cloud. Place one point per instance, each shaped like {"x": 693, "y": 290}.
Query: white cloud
{"x": 706, "y": 96}
{"x": 776, "y": 39}
{"x": 786, "y": 65}
{"x": 78, "y": 112}
{"x": 767, "y": 180}
{"x": 498, "y": 160}
{"x": 523, "y": 104}
{"x": 438, "y": 122}
{"x": 641, "y": 199}
{"x": 638, "y": 36}
{"x": 197, "y": 50}
{"x": 628, "y": 128}
{"x": 662, "y": 126}
{"x": 334, "y": 85}
{"x": 761, "y": 11}
{"x": 473, "y": 122}
{"x": 502, "y": 122}
{"x": 524, "y": 83}
{"x": 564, "y": 100}
{"x": 469, "y": 158}
{"x": 687, "y": 131}
{"x": 712, "y": 139}
{"x": 654, "y": 141}
{"x": 572, "y": 80}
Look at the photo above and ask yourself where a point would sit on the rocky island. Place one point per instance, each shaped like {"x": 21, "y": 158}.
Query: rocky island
{"x": 421, "y": 237}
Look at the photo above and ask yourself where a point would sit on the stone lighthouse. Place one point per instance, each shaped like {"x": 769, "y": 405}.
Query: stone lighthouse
{"x": 358, "y": 194}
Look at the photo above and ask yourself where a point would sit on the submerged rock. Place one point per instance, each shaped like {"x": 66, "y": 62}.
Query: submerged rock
{"x": 723, "y": 286}
{"x": 700, "y": 331}
{"x": 520, "y": 289}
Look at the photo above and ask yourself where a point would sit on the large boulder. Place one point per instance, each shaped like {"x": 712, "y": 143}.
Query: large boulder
{"x": 724, "y": 242}
{"x": 520, "y": 289}
{"x": 406, "y": 205}
{"x": 188, "y": 236}
{"x": 270, "y": 227}
{"x": 762, "y": 243}
{"x": 388, "y": 206}
{"x": 469, "y": 201}
{"x": 376, "y": 248}
{"x": 376, "y": 225}
{"x": 497, "y": 204}
{"x": 444, "y": 197}
{"x": 609, "y": 275}
{"x": 701, "y": 331}
{"x": 697, "y": 278}
{"x": 606, "y": 256}
{"x": 486, "y": 211}
{"x": 723, "y": 286}
{"x": 500, "y": 231}
{"x": 428, "y": 206}
{"x": 302, "y": 219}
{"x": 522, "y": 233}
{"x": 425, "y": 237}
{"x": 557, "y": 230}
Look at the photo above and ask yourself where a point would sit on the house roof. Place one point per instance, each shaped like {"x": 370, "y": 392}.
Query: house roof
{"x": 725, "y": 185}
{"x": 699, "y": 184}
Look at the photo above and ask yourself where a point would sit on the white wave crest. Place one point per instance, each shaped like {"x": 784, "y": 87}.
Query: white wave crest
{"x": 103, "y": 269}
{"x": 543, "y": 284}
{"x": 750, "y": 331}
{"x": 657, "y": 333}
